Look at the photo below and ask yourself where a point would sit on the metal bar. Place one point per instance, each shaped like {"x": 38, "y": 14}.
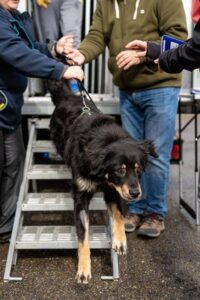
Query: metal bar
{"x": 196, "y": 161}
{"x": 191, "y": 212}
{"x": 188, "y": 123}
{"x": 181, "y": 156}
{"x": 114, "y": 260}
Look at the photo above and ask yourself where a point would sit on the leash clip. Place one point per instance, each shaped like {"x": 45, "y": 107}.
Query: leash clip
{"x": 86, "y": 110}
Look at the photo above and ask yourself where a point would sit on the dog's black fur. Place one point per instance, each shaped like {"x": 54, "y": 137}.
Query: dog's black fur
{"x": 101, "y": 155}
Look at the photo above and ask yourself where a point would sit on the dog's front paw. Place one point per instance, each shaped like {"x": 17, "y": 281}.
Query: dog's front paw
{"x": 120, "y": 246}
{"x": 83, "y": 276}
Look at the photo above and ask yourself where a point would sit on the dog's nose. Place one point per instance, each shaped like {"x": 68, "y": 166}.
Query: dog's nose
{"x": 134, "y": 192}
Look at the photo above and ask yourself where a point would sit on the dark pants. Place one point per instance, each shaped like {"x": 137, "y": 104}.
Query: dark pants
{"x": 12, "y": 154}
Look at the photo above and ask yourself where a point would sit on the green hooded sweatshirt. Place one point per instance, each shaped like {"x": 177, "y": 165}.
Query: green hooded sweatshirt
{"x": 118, "y": 22}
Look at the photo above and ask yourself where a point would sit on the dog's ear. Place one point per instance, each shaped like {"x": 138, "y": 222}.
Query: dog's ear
{"x": 149, "y": 148}
{"x": 96, "y": 162}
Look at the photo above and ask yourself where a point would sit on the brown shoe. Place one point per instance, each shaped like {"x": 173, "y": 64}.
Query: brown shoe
{"x": 152, "y": 226}
{"x": 131, "y": 222}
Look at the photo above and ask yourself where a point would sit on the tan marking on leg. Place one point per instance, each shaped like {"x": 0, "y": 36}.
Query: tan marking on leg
{"x": 118, "y": 231}
{"x": 84, "y": 263}
{"x": 85, "y": 184}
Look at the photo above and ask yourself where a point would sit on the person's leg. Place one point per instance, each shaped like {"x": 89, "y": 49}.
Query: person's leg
{"x": 1, "y": 155}
{"x": 160, "y": 108}
{"x": 14, "y": 154}
{"x": 49, "y": 20}
{"x": 71, "y": 12}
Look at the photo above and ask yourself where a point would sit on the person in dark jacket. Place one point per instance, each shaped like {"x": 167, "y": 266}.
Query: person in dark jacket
{"x": 20, "y": 56}
{"x": 186, "y": 56}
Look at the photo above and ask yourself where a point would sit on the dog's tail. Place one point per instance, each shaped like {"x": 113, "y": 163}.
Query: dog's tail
{"x": 58, "y": 90}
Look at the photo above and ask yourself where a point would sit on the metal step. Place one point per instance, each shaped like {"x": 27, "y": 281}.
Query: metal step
{"x": 58, "y": 202}
{"x": 49, "y": 172}
{"x": 42, "y": 123}
{"x": 60, "y": 237}
{"x": 43, "y": 146}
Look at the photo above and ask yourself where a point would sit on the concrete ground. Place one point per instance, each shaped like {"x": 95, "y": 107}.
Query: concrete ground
{"x": 154, "y": 269}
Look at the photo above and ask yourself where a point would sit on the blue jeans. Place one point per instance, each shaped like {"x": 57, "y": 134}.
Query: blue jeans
{"x": 151, "y": 114}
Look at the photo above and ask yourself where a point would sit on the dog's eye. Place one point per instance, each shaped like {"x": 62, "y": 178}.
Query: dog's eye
{"x": 137, "y": 169}
{"x": 121, "y": 172}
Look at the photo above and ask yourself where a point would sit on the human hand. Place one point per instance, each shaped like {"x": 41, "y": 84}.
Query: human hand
{"x": 137, "y": 44}
{"x": 43, "y": 3}
{"x": 75, "y": 55}
{"x": 74, "y": 72}
{"x": 127, "y": 59}
{"x": 65, "y": 44}
{"x": 141, "y": 46}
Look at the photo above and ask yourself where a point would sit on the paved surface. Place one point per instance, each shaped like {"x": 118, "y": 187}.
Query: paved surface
{"x": 154, "y": 269}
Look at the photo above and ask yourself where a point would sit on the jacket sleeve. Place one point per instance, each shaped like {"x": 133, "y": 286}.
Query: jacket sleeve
{"x": 186, "y": 56}
{"x": 172, "y": 20}
{"x": 30, "y": 62}
{"x": 43, "y": 48}
{"x": 94, "y": 44}
{"x": 153, "y": 50}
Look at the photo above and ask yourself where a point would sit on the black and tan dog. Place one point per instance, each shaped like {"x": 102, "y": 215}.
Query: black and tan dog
{"x": 101, "y": 155}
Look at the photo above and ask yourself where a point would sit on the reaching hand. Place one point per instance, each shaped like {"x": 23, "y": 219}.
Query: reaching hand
{"x": 127, "y": 59}
{"x": 74, "y": 72}
{"x": 75, "y": 55}
{"x": 64, "y": 44}
{"x": 137, "y": 45}
{"x": 43, "y": 3}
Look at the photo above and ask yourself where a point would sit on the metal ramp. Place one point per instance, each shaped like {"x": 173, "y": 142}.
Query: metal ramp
{"x": 50, "y": 237}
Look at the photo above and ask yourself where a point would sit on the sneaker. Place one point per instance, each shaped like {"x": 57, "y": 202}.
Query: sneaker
{"x": 152, "y": 226}
{"x": 131, "y": 222}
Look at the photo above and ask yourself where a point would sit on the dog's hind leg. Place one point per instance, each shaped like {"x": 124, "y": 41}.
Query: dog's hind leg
{"x": 119, "y": 243}
{"x": 82, "y": 226}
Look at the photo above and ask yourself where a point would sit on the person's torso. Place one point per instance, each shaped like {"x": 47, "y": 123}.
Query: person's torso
{"x": 12, "y": 82}
{"x": 126, "y": 20}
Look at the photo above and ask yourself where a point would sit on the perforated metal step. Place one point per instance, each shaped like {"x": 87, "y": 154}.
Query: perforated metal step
{"x": 58, "y": 202}
{"x": 48, "y": 172}
{"x": 43, "y": 146}
{"x": 42, "y": 123}
{"x": 60, "y": 237}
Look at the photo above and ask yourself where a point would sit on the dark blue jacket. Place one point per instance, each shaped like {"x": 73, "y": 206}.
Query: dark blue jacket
{"x": 20, "y": 57}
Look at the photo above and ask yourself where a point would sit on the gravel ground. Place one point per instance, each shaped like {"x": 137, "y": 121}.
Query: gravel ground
{"x": 153, "y": 269}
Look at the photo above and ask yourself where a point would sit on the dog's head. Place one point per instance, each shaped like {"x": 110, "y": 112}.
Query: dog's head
{"x": 121, "y": 164}
{"x": 59, "y": 90}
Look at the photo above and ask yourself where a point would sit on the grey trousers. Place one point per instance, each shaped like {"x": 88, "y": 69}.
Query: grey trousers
{"x": 62, "y": 17}
{"x": 12, "y": 155}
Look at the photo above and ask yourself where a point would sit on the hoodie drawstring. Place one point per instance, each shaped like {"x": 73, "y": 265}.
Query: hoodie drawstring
{"x": 116, "y": 9}
{"x": 136, "y": 9}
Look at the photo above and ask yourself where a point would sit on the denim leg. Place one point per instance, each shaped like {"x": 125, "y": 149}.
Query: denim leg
{"x": 159, "y": 108}
{"x": 11, "y": 178}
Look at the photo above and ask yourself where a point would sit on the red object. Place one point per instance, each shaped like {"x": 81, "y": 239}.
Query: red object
{"x": 195, "y": 11}
{"x": 176, "y": 152}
